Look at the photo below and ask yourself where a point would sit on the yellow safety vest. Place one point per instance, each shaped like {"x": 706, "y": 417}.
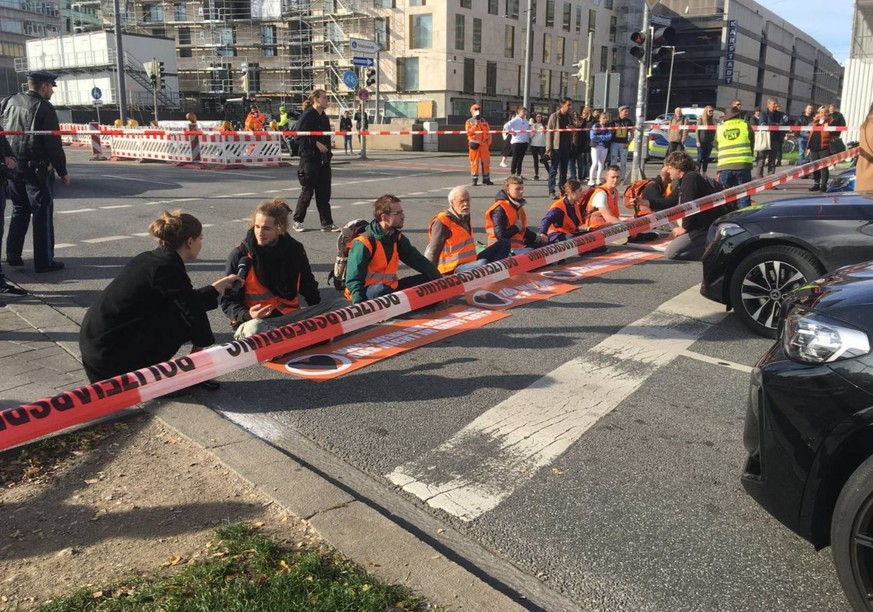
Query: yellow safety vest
{"x": 734, "y": 143}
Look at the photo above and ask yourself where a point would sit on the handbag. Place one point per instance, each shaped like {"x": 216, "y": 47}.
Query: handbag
{"x": 474, "y": 145}
{"x": 762, "y": 141}
{"x": 836, "y": 145}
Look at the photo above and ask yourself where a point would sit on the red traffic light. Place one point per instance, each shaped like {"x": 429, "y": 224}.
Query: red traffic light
{"x": 638, "y": 38}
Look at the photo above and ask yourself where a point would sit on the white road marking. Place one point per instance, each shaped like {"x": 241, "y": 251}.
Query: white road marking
{"x": 535, "y": 426}
{"x": 64, "y": 245}
{"x": 127, "y": 178}
{"x": 334, "y": 206}
{"x": 418, "y": 193}
{"x": 360, "y": 202}
{"x": 241, "y": 195}
{"x": 141, "y": 234}
{"x": 724, "y": 363}
{"x": 75, "y": 210}
{"x": 116, "y": 206}
{"x": 105, "y": 239}
{"x": 208, "y": 225}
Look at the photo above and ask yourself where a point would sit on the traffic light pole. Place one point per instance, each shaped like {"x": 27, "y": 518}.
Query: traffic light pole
{"x": 638, "y": 169}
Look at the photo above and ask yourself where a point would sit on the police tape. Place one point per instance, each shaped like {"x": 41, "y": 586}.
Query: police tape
{"x": 46, "y": 416}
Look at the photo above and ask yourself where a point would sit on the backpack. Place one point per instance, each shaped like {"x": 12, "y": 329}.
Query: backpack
{"x": 633, "y": 192}
{"x": 348, "y": 233}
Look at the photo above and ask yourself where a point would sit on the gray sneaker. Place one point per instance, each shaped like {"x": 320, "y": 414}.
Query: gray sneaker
{"x": 298, "y": 227}
{"x": 330, "y": 228}
{"x": 8, "y": 292}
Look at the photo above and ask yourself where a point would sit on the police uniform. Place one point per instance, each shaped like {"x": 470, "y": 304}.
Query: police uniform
{"x": 31, "y": 182}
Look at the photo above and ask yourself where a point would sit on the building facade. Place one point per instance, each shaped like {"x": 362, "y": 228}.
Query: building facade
{"x": 857, "y": 96}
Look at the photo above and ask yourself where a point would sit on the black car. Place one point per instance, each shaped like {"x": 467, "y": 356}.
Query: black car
{"x": 809, "y": 424}
{"x": 757, "y": 255}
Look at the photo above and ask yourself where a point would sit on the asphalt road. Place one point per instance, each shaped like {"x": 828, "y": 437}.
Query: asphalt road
{"x": 641, "y": 509}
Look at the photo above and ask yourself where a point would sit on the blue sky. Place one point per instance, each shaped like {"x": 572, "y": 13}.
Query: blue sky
{"x": 829, "y": 22}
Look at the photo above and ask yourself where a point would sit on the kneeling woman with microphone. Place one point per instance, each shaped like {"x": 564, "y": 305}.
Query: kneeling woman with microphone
{"x": 151, "y": 309}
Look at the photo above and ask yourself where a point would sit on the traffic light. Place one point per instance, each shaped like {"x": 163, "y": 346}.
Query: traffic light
{"x": 663, "y": 45}
{"x": 162, "y": 73}
{"x": 639, "y": 50}
{"x": 151, "y": 73}
{"x": 582, "y": 70}
{"x": 371, "y": 77}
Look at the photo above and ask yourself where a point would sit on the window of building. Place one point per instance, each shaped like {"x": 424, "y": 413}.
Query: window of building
{"x": 578, "y": 18}
{"x": 563, "y": 85}
{"x": 152, "y": 13}
{"x": 417, "y": 2}
{"x": 559, "y": 55}
{"x": 568, "y": 16}
{"x": 543, "y": 83}
{"x": 384, "y": 3}
{"x": 509, "y": 41}
{"x": 382, "y": 32}
{"x": 469, "y": 75}
{"x": 407, "y": 73}
{"x": 467, "y": 4}
{"x": 159, "y": 32}
{"x": 421, "y": 31}
{"x": 254, "y": 72}
{"x": 613, "y": 66}
{"x": 180, "y": 12}
{"x": 477, "y": 35}
{"x": 604, "y": 58}
{"x": 224, "y": 38}
{"x": 512, "y": 9}
{"x": 493, "y": 7}
{"x": 607, "y": 4}
{"x": 521, "y": 83}
{"x": 550, "y": 13}
{"x": 613, "y": 28}
{"x": 268, "y": 40}
{"x": 491, "y": 78}
{"x": 592, "y": 20}
{"x": 547, "y": 48}
{"x": 460, "y": 31}
{"x": 184, "y": 39}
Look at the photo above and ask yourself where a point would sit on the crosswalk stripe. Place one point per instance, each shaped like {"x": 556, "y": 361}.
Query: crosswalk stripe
{"x": 535, "y": 426}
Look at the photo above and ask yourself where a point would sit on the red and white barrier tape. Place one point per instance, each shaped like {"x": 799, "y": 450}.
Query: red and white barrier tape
{"x": 28, "y": 422}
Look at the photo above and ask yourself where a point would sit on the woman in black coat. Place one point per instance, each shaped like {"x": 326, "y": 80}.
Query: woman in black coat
{"x": 151, "y": 309}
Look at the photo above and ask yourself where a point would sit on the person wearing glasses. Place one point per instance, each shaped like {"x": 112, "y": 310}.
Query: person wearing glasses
{"x": 376, "y": 252}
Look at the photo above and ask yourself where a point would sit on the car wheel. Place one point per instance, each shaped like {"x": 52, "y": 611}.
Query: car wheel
{"x": 852, "y": 537}
{"x": 761, "y": 281}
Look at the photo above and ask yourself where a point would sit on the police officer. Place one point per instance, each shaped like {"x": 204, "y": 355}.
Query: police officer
{"x": 31, "y": 183}
{"x": 7, "y": 164}
{"x": 735, "y": 151}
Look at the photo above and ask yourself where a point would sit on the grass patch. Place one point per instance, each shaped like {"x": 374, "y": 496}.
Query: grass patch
{"x": 249, "y": 572}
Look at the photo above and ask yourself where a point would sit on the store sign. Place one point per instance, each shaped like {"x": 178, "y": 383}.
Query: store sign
{"x": 730, "y": 52}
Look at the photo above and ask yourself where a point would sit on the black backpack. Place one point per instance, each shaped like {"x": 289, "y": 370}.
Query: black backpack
{"x": 348, "y": 233}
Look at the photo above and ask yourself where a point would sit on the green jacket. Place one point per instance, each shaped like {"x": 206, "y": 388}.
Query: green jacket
{"x": 283, "y": 121}
{"x": 735, "y": 148}
{"x": 359, "y": 259}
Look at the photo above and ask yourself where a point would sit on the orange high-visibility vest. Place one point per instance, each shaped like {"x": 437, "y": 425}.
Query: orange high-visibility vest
{"x": 256, "y": 294}
{"x": 513, "y": 214}
{"x": 380, "y": 269}
{"x": 459, "y": 247}
{"x": 595, "y": 219}
{"x": 568, "y": 226}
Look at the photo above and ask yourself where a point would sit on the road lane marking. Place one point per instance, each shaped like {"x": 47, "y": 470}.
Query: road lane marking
{"x": 724, "y": 363}
{"x": 127, "y": 178}
{"x": 486, "y": 461}
{"x": 64, "y": 245}
{"x": 75, "y": 210}
{"x": 116, "y": 206}
{"x": 360, "y": 202}
{"x": 105, "y": 239}
{"x": 142, "y": 234}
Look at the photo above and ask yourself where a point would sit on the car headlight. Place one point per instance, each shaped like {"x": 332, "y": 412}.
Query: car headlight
{"x": 811, "y": 338}
{"x": 722, "y": 231}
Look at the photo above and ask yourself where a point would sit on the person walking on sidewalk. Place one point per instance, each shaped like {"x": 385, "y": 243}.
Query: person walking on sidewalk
{"x": 805, "y": 120}
{"x": 275, "y": 272}
{"x": 150, "y": 310}
{"x": 819, "y": 147}
{"x": 314, "y": 170}
{"x": 345, "y": 125}
{"x": 7, "y": 165}
{"x": 31, "y": 183}
{"x": 519, "y": 130}
{"x": 478, "y": 143}
{"x": 538, "y": 145}
{"x": 677, "y": 131}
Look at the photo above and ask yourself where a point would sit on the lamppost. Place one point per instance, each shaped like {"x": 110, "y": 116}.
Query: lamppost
{"x": 673, "y": 55}
{"x": 527, "y": 56}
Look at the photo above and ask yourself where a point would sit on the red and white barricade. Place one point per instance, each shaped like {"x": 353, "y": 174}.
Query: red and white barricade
{"x": 241, "y": 149}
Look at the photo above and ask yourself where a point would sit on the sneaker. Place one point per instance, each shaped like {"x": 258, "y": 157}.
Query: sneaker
{"x": 590, "y": 183}
{"x": 536, "y": 178}
{"x": 330, "y": 227}
{"x": 52, "y": 267}
{"x": 503, "y": 164}
{"x": 553, "y": 195}
{"x": 13, "y": 260}
{"x": 8, "y": 291}
{"x": 298, "y": 227}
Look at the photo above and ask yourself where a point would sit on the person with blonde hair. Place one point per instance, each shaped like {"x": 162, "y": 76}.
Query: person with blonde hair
{"x": 151, "y": 308}
{"x": 275, "y": 272}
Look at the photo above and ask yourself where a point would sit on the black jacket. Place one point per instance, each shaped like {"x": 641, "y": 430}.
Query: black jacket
{"x": 283, "y": 269}
{"x": 313, "y": 121}
{"x": 28, "y": 111}
{"x": 692, "y": 185}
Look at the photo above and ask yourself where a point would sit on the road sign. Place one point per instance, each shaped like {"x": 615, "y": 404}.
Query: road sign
{"x": 363, "y": 94}
{"x": 661, "y": 21}
{"x": 359, "y": 45}
{"x": 363, "y": 61}
{"x": 96, "y": 93}
{"x": 652, "y": 3}
{"x": 350, "y": 79}
{"x": 98, "y": 102}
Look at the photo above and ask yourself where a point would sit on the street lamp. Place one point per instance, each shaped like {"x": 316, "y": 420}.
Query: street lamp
{"x": 673, "y": 55}
{"x": 527, "y": 56}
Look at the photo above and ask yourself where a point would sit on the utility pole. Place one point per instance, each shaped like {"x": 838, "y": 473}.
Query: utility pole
{"x": 638, "y": 169}
{"x": 528, "y": 48}
{"x": 119, "y": 65}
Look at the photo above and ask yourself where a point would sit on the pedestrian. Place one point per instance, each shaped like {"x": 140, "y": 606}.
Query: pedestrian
{"x": 519, "y": 131}
{"x": 705, "y": 137}
{"x": 478, "y": 145}
{"x": 573, "y": 164}
{"x": 802, "y": 138}
{"x": 375, "y": 255}
{"x": 864, "y": 169}
{"x": 818, "y": 148}
{"x": 30, "y": 187}
{"x": 558, "y": 142}
{"x": 600, "y": 136}
{"x": 735, "y": 151}
{"x": 622, "y": 132}
{"x": 284, "y": 120}
{"x": 314, "y": 171}
{"x": 362, "y": 122}
{"x": 151, "y": 309}
{"x": 538, "y": 145}
{"x": 276, "y": 274}
{"x": 772, "y": 116}
{"x": 506, "y": 218}
{"x": 506, "y": 151}
{"x": 345, "y": 125}
{"x": 583, "y": 160}
{"x": 451, "y": 246}
{"x": 7, "y": 165}
{"x": 677, "y": 131}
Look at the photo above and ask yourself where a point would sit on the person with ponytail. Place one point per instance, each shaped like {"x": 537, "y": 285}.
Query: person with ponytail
{"x": 150, "y": 310}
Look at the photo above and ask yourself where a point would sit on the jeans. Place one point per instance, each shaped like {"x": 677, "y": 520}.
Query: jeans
{"x": 497, "y": 251}
{"x": 704, "y": 151}
{"x": 802, "y": 141}
{"x": 2, "y": 219}
{"x": 583, "y": 162}
{"x": 380, "y": 289}
{"x": 618, "y": 156}
{"x": 347, "y": 143}
{"x": 732, "y": 178}
{"x": 559, "y": 162}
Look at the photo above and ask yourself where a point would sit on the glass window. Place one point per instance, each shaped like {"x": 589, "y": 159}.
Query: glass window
{"x": 592, "y": 20}
{"x": 512, "y": 9}
{"x": 613, "y": 66}
{"x": 613, "y": 27}
{"x": 493, "y": 7}
{"x": 159, "y": 32}
{"x": 184, "y": 39}
{"x": 547, "y": 48}
{"x": 417, "y": 2}
{"x": 460, "y": 32}
{"x": 224, "y": 37}
{"x": 559, "y": 56}
{"x": 469, "y": 75}
{"x": 407, "y": 73}
{"x": 268, "y": 40}
{"x": 477, "y": 35}
{"x": 467, "y": 4}
{"x": 550, "y": 13}
{"x": 521, "y": 82}
{"x": 607, "y": 4}
{"x": 509, "y": 41}
{"x": 384, "y": 3}
{"x": 421, "y": 31}
{"x": 491, "y": 78}
{"x": 382, "y": 32}
{"x": 604, "y": 58}
{"x": 578, "y": 18}
{"x": 568, "y": 16}
{"x": 152, "y": 13}
{"x": 180, "y": 12}
{"x": 563, "y": 85}
{"x": 544, "y": 76}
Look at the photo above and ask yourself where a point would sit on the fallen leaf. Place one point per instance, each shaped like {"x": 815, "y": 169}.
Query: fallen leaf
{"x": 284, "y": 566}
{"x": 435, "y": 556}
{"x": 557, "y": 471}
{"x": 92, "y": 481}
{"x": 441, "y": 530}
{"x": 258, "y": 525}
{"x": 97, "y": 594}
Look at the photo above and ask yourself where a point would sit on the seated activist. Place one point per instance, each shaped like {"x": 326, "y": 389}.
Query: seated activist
{"x": 451, "y": 247}
{"x": 275, "y": 272}
{"x": 602, "y": 207}
{"x": 506, "y": 219}
{"x": 689, "y": 237}
{"x": 151, "y": 309}
{"x": 375, "y": 255}
{"x": 565, "y": 218}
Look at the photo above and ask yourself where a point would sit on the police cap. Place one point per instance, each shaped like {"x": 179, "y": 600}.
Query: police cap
{"x": 39, "y": 76}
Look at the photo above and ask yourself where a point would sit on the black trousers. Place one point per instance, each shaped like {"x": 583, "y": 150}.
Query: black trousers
{"x": 518, "y": 151}
{"x": 820, "y": 177}
{"x": 32, "y": 197}
{"x": 315, "y": 178}
{"x": 539, "y": 158}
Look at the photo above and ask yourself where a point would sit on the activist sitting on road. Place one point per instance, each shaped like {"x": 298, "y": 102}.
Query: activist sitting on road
{"x": 602, "y": 209}
{"x": 150, "y": 310}
{"x": 375, "y": 253}
{"x": 565, "y": 219}
{"x": 452, "y": 247}
{"x": 276, "y": 272}
{"x": 506, "y": 219}
{"x": 690, "y": 234}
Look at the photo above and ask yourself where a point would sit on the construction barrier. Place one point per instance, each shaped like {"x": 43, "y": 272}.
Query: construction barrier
{"x": 29, "y": 422}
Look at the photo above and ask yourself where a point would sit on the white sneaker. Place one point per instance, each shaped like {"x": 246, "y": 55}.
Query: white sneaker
{"x": 590, "y": 183}
{"x": 298, "y": 227}
{"x": 503, "y": 164}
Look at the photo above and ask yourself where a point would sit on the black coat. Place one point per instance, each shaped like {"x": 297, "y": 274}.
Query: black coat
{"x": 144, "y": 316}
